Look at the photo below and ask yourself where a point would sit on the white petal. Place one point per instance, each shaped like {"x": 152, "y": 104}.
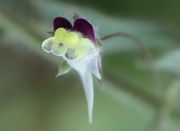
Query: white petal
{"x": 47, "y": 44}
{"x": 81, "y": 66}
{"x": 95, "y": 66}
{"x": 87, "y": 81}
{"x": 86, "y": 66}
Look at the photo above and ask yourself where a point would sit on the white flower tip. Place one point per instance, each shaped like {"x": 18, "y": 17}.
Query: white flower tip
{"x": 86, "y": 78}
{"x": 60, "y": 74}
{"x": 90, "y": 115}
{"x": 90, "y": 120}
{"x": 98, "y": 76}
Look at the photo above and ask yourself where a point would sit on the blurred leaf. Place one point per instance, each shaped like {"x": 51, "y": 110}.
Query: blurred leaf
{"x": 169, "y": 63}
{"x": 15, "y": 33}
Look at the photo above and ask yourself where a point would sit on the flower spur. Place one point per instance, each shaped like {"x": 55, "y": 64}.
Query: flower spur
{"x": 78, "y": 47}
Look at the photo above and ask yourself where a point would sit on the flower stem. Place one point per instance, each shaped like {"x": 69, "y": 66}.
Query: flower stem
{"x": 147, "y": 54}
{"x": 136, "y": 41}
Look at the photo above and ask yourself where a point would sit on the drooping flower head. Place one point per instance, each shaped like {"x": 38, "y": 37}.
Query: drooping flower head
{"x": 76, "y": 44}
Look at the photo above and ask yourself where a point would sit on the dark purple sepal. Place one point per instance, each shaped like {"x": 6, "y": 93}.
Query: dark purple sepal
{"x": 60, "y": 22}
{"x": 84, "y": 27}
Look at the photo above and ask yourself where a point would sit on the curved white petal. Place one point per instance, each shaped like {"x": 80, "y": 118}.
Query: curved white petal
{"x": 95, "y": 66}
{"x": 47, "y": 45}
{"x": 87, "y": 81}
{"x": 86, "y": 66}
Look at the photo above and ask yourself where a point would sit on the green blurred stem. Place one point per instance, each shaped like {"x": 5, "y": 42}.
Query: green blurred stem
{"x": 163, "y": 114}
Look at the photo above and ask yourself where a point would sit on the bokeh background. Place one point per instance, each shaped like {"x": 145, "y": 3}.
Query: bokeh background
{"x": 140, "y": 90}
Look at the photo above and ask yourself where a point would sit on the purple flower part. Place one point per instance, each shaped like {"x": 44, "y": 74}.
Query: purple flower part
{"x": 62, "y": 22}
{"x": 84, "y": 27}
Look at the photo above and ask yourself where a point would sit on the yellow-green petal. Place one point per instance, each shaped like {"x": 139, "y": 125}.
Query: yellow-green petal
{"x": 58, "y": 49}
{"x": 60, "y": 33}
{"x": 83, "y": 47}
{"x": 71, "y": 39}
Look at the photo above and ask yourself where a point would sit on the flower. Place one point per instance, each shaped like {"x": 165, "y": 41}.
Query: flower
{"x": 78, "y": 47}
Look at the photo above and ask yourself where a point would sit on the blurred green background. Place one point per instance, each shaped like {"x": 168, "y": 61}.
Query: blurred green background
{"x": 136, "y": 94}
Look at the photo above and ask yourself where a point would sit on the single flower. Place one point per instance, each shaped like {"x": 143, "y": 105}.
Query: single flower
{"x": 77, "y": 45}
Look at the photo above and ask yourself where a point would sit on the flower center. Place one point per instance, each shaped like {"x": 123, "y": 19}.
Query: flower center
{"x": 69, "y": 39}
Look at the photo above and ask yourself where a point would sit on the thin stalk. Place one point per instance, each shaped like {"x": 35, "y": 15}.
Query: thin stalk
{"x": 147, "y": 55}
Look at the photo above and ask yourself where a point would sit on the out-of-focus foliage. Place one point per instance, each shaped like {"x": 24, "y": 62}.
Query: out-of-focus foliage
{"x": 135, "y": 94}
